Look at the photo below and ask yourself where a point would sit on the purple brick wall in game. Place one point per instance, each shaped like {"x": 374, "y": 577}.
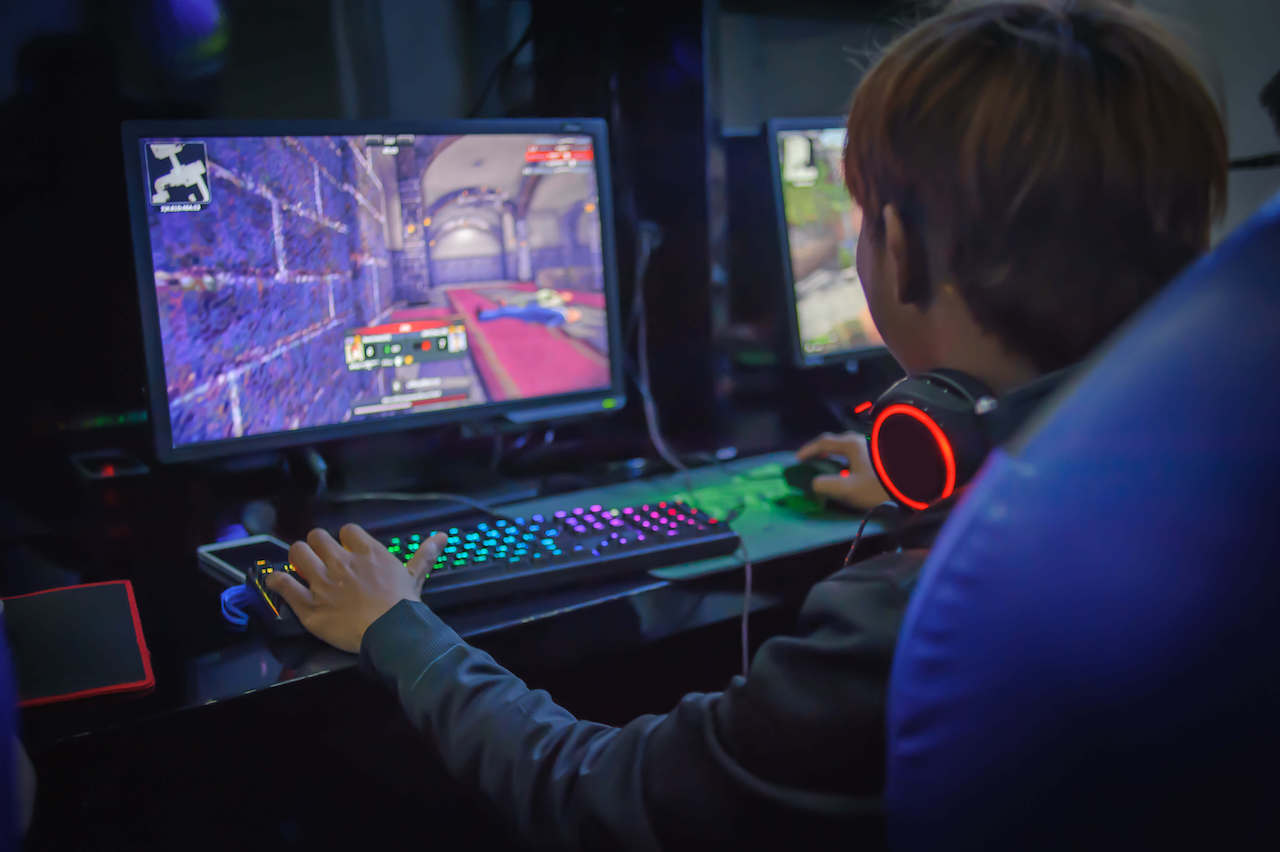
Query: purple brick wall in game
{"x": 255, "y": 292}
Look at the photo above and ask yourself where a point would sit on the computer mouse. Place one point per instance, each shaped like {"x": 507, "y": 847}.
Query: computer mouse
{"x": 801, "y": 475}
{"x": 274, "y": 614}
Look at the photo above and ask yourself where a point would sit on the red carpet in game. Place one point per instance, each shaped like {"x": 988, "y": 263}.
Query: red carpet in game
{"x": 519, "y": 357}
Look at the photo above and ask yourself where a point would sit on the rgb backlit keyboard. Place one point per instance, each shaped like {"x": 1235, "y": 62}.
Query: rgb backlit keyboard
{"x": 487, "y": 558}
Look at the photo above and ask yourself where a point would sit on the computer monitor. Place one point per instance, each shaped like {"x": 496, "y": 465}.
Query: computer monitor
{"x": 303, "y": 281}
{"x": 818, "y": 226}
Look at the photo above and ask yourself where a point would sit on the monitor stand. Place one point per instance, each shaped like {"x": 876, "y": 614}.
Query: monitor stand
{"x": 375, "y": 515}
{"x": 456, "y": 476}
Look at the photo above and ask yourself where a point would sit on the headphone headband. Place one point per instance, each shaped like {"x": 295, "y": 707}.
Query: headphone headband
{"x": 1003, "y": 420}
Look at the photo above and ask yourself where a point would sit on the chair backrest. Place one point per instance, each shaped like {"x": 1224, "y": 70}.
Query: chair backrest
{"x": 1092, "y": 656}
{"x": 10, "y": 837}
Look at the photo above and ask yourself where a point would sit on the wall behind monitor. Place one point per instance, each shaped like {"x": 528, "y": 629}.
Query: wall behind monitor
{"x": 775, "y": 66}
{"x": 1237, "y": 45}
{"x": 804, "y": 58}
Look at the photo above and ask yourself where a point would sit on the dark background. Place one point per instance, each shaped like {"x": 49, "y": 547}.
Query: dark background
{"x": 688, "y": 153}
{"x": 685, "y": 87}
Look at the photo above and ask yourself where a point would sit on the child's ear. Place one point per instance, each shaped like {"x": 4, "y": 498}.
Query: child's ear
{"x": 904, "y": 251}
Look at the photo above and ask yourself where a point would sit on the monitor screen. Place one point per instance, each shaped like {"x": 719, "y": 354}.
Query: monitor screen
{"x": 305, "y": 285}
{"x": 820, "y": 224}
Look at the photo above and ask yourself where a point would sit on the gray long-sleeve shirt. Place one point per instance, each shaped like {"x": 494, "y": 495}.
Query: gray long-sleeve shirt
{"x": 794, "y": 751}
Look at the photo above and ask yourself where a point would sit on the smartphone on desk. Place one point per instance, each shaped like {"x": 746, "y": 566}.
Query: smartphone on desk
{"x": 228, "y": 561}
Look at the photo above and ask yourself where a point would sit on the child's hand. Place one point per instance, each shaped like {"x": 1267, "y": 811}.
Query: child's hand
{"x": 860, "y": 489}
{"x": 352, "y": 583}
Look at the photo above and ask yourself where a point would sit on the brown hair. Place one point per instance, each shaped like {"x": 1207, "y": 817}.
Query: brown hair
{"x": 1058, "y": 161}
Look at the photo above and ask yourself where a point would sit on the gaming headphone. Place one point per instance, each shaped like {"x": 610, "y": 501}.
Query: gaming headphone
{"x": 929, "y": 433}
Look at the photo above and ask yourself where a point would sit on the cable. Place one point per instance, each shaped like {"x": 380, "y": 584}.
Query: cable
{"x": 422, "y": 497}
{"x": 319, "y": 469}
{"x": 648, "y": 238}
{"x": 502, "y": 67}
{"x": 853, "y": 548}
{"x": 233, "y": 601}
{"x": 746, "y": 605}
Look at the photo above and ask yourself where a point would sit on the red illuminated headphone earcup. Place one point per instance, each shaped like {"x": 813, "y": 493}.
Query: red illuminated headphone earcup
{"x": 925, "y": 439}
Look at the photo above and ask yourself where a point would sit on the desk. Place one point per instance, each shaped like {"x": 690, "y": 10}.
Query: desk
{"x": 607, "y": 651}
{"x": 198, "y": 662}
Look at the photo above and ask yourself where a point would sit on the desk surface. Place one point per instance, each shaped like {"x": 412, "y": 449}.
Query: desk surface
{"x": 791, "y": 540}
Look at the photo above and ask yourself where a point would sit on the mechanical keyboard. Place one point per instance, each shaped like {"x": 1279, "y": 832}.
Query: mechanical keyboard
{"x": 492, "y": 557}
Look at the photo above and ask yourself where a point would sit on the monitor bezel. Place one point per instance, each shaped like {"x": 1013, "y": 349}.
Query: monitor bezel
{"x": 600, "y": 400}
{"x": 799, "y": 357}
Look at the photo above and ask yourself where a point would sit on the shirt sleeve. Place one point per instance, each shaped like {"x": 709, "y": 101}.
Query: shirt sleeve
{"x": 799, "y": 744}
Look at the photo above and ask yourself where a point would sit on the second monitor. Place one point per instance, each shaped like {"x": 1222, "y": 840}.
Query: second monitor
{"x": 818, "y": 224}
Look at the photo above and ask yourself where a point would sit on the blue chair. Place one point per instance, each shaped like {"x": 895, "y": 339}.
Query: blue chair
{"x": 1092, "y": 655}
{"x": 10, "y": 822}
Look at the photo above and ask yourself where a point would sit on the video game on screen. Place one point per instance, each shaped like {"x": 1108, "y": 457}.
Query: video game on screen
{"x": 822, "y": 235}
{"x": 308, "y": 281}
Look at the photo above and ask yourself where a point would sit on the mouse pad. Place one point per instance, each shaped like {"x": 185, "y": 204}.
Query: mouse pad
{"x": 771, "y": 517}
{"x": 77, "y": 642}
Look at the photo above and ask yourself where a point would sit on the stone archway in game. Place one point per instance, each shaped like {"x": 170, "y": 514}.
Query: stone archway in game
{"x": 467, "y": 237}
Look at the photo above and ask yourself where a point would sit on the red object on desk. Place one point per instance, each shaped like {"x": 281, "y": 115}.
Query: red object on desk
{"x": 77, "y": 642}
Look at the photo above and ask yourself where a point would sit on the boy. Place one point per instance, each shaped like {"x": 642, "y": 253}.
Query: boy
{"x": 1030, "y": 174}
